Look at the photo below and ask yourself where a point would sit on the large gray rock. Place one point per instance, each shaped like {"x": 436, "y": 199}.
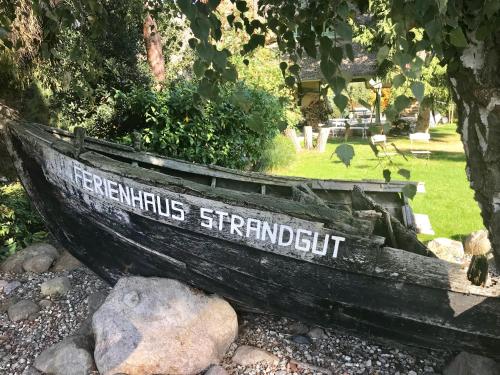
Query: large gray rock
{"x": 247, "y": 355}
{"x": 39, "y": 263}
{"x": 446, "y": 249}
{"x": 15, "y": 262}
{"x": 24, "y": 309}
{"x": 71, "y": 356}
{"x": 58, "y": 286}
{"x": 94, "y": 301}
{"x": 161, "y": 326}
{"x": 66, "y": 262}
{"x": 477, "y": 243}
{"x": 472, "y": 364}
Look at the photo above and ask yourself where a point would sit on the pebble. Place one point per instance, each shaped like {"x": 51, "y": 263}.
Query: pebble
{"x": 301, "y": 339}
{"x": 10, "y": 287}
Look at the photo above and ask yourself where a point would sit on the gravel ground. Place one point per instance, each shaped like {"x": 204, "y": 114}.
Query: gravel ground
{"x": 21, "y": 342}
{"x": 333, "y": 352}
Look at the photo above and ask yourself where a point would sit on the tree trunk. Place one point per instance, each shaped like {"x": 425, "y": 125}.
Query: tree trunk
{"x": 322, "y": 139}
{"x": 153, "y": 43}
{"x": 308, "y": 137}
{"x": 423, "y": 119}
{"x": 476, "y": 90}
{"x": 292, "y": 135}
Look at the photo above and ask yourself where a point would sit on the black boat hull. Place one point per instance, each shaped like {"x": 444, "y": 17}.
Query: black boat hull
{"x": 376, "y": 290}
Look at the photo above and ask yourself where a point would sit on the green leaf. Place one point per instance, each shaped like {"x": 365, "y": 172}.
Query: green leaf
{"x": 418, "y": 89}
{"x": 405, "y": 173}
{"x": 241, "y": 6}
{"x": 387, "y": 175}
{"x": 328, "y": 68}
{"x": 230, "y": 74}
{"x": 283, "y": 66}
{"x": 345, "y": 153}
{"x": 349, "y": 52}
{"x": 199, "y": 68}
{"x": 256, "y": 123}
{"x": 410, "y": 190}
{"x": 341, "y": 101}
{"x": 382, "y": 53}
{"x": 344, "y": 31}
{"x": 457, "y": 38}
{"x": 290, "y": 81}
{"x": 401, "y": 102}
{"x": 398, "y": 81}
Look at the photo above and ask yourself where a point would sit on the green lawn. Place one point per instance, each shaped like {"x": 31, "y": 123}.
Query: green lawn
{"x": 448, "y": 199}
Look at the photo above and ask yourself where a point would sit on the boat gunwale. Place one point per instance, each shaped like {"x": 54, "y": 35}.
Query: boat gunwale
{"x": 119, "y": 150}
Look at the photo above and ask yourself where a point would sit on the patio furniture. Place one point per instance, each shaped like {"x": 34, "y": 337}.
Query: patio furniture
{"x": 380, "y": 140}
{"x": 419, "y": 138}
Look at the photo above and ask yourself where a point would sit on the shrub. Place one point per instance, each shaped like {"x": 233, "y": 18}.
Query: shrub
{"x": 20, "y": 225}
{"x": 231, "y": 131}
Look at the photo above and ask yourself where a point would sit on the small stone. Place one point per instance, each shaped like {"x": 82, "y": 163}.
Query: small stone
{"x": 66, "y": 262}
{"x": 24, "y": 309}
{"x": 247, "y": 355}
{"x": 216, "y": 370}
{"x": 10, "y": 287}
{"x": 301, "y": 339}
{"x": 39, "y": 263}
{"x": 368, "y": 363}
{"x": 6, "y": 303}
{"x": 3, "y": 284}
{"x": 411, "y": 372}
{"x": 317, "y": 333}
{"x": 472, "y": 364}
{"x": 57, "y": 286}
{"x": 298, "y": 328}
{"x": 15, "y": 262}
{"x": 71, "y": 356}
{"x": 45, "y": 303}
{"x": 477, "y": 243}
{"x": 446, "y": 249}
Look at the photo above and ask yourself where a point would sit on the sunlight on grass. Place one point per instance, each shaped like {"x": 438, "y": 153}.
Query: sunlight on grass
{"x": 448, "y": 200}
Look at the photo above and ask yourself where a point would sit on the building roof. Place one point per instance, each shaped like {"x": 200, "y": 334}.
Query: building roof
{"x": 364, "y": 66}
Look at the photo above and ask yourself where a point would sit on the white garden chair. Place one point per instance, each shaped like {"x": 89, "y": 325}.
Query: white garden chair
{"x": 419, "y": 138}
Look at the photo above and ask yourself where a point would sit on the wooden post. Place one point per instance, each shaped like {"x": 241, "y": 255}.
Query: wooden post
{"x": 137, "y": 141}
{"x": 322, "y": 139}
{"x": 292, "y": 135}
{"x": 308, "y": 137}
{"x": 78, "y": 140}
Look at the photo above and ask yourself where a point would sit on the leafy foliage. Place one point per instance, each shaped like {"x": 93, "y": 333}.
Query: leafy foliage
{"x": 20, "y": 225}
{"x": 232, "y": 131}
{"x": 345, "y": 152}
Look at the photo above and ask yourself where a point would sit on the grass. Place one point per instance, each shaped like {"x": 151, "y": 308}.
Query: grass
{"x": 449, "y": 201}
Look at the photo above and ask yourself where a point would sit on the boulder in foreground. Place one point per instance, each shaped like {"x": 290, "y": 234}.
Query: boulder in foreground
{"x": 161, "y": 326}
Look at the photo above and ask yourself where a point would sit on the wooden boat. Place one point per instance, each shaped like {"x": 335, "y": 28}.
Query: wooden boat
{"x": 286, "y": 246}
